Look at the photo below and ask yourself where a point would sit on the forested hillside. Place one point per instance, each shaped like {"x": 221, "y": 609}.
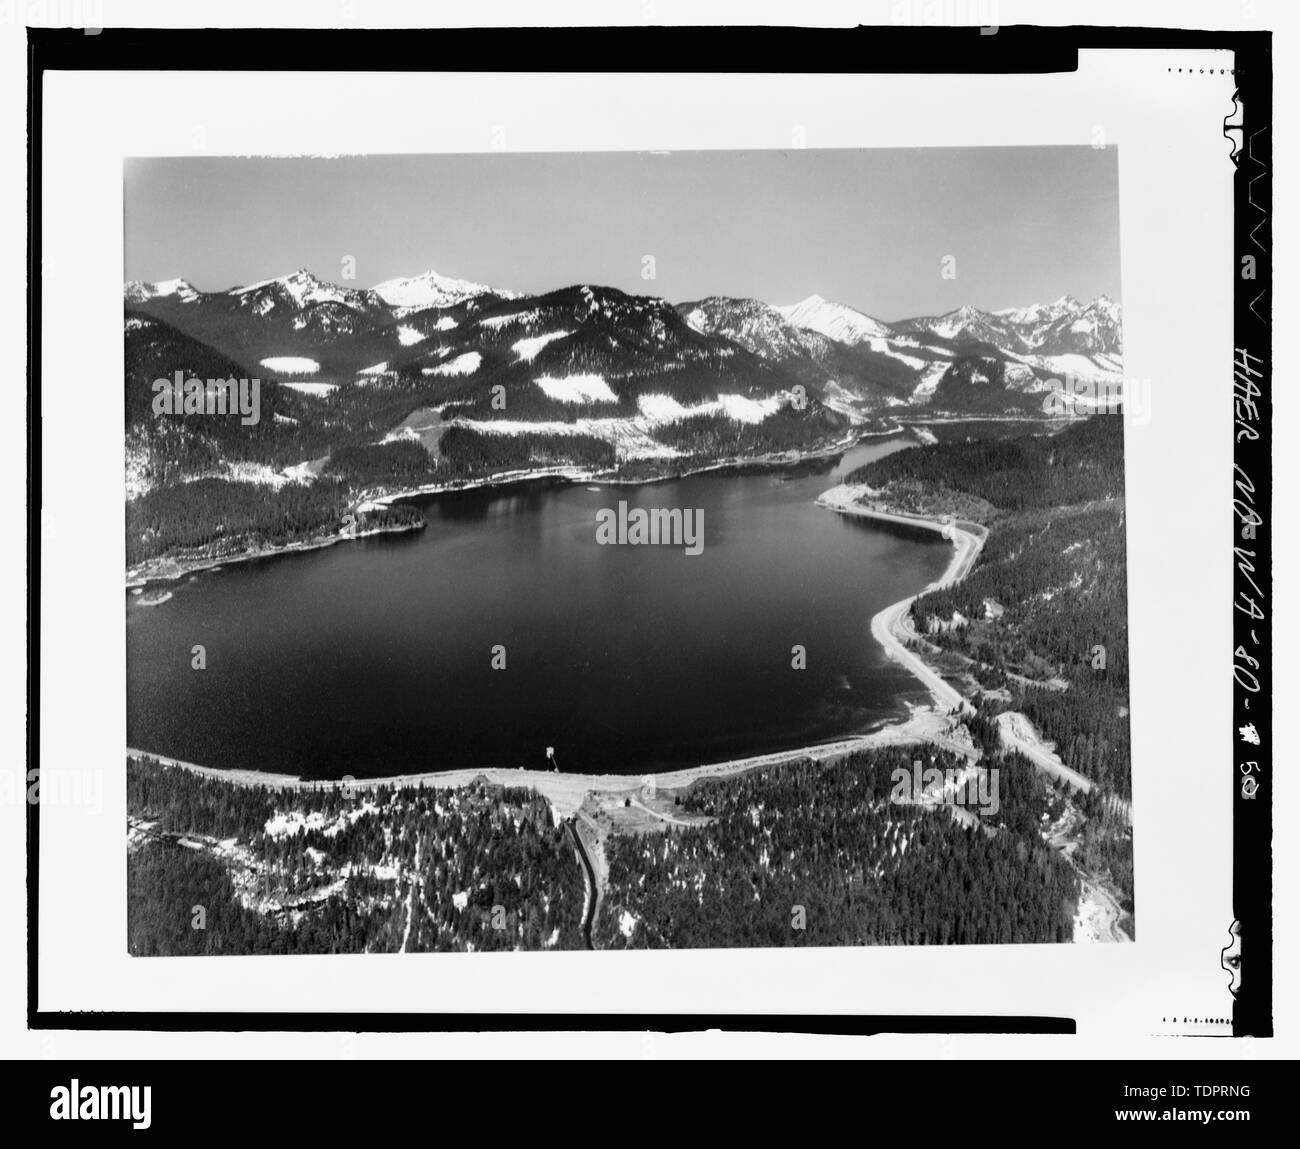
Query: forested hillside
{"x": 219, "y": 518}
{"x": 1082, "y": 463}
{"x": 813, "y": 855}
{"x": 1054, "y": 569}
{"x": 717, "y": 436}
{"x": 1040, "y": 623}
{"x": 328, "y": 871}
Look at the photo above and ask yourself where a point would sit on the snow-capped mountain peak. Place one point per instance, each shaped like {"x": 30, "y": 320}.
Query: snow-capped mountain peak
{"x": 137, "y": 291}
{"x": 834, "y": 320}
{"x": 301, "y": 288}
{"x": 431, "y": 289}
{"x": 971, "y": 323}
{"x": 1034, "y": 313}
{"x": 307, "y": 298}
{"x": 756, "y": 326}
{"x": 1067, "y": 326}
{"x": 1106, "y": 306}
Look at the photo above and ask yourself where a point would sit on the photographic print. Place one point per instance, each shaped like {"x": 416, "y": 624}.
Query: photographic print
{"x": 626, "y": 550}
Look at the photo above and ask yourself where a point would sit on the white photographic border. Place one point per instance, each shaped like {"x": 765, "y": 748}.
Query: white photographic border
{"x": 1176, "y": 214}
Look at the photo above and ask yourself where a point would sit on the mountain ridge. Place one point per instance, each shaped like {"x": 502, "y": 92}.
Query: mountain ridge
{"x": 430, "y": 382}
{"x": 498, "y": 359}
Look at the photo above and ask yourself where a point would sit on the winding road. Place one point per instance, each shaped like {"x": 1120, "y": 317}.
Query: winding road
{"x": 890, "y": 627}
{"x": 592, "y": 899}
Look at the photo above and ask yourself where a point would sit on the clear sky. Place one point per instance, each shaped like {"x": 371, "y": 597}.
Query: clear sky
{"x": 869, "y": 228}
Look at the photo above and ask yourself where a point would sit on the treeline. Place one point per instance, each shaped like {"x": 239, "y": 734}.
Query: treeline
{"x": 716, "y": 435}
{"x": 216, "y": 516}
{"x": 169, "y": 453}
{"x": 371, "y": 464}
{"x": 977, "y": 383}
{"x": 466, "y": 453}
{"x": 168, "y": 882}
{"x": 635, "y": 345}
{"x": 178, "y": 448}
{"x": 1082, "y": 463}
{"x": 156, "y": 350}
{"x": 1054, "y": 564}
{"x": 167, "y": 885}
{"x": 1107, "y": 849}
{"x": 184, "y": 802}
{"x": 875, "y": 368}
{"x": 1060, "y": 581}
{"x": 340, "y": 432}
{"x": 989, "y": 430}
{"x": 823, "y": 846}
{"x": 225, "y": 517}
{"x": 327, "y": 871}
{"x": 1047, "y": 600}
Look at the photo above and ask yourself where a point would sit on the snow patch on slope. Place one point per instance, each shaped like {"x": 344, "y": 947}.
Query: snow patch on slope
{"x": 527, "y": 349}
{"x": 291, "y": 365}
{"x": 929, "y": 381}
{"x": 881, "y": 346}
{"x": 465, "y": 364}
{"x": 577, "y": 388}
{"x": 496, "y": 322}
{"x": 666, "y": 409}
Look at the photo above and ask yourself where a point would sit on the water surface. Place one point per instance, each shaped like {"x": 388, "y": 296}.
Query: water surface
{"x": 374, "y": 657}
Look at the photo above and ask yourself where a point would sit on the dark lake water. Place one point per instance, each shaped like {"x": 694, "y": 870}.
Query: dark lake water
{"x": 374, "y": 657}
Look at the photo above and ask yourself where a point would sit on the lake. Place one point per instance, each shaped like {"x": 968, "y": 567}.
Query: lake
{"x": 375, "y": 657}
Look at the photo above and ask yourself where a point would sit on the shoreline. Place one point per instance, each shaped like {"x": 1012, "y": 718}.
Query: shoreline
{"x": 566, "y": 792}
{"x": 613, "y": 479}
{"x": 142, "y": 574}
{"x": 889, "y": 626}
